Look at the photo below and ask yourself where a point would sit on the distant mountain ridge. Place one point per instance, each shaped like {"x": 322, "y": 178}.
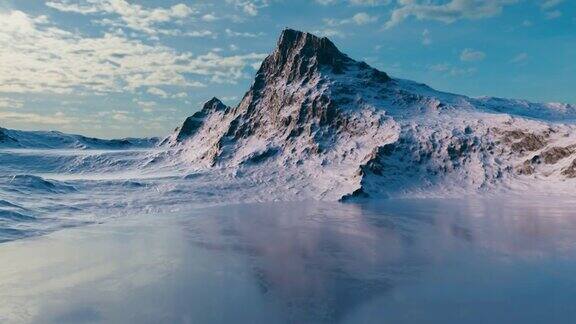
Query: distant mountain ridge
{"x": 54, "y": 140}
{"x": 340, "y": 128}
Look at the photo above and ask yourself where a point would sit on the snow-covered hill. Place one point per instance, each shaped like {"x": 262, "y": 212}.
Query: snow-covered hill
{"x": 318, "y": 123}
{"x": 10, "y": 138}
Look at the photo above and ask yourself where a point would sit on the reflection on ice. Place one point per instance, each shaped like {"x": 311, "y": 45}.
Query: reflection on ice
{"x": 318, "y": 260}
{"x": 404, "y": 261}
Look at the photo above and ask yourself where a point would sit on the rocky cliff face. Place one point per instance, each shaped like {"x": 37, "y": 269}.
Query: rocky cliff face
{"x": 318, "y": 119}
{"x": 194, "y": 123}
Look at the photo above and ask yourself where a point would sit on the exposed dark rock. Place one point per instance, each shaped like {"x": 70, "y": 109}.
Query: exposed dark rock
{"x": 570, "y": 171}
{"x": 555, "y": 154}
{"x": 298, "y": 53}
{"x": 458, "y": 149}
{"x": 193, "y": 123}
{"x": 5, "y": 137}
{"x": 521, "y": 141}
{"x": 526, "y": 168}
{"x": 358, "y": 193}
{"x": 375, "y": 164}
{"x": 120, "y": 142}
{"x": 549, "y": 156}
{"x": 262, "y": 156}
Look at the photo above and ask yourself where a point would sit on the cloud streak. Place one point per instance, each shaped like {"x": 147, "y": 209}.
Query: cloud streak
{"x": 9, "y": 103}
{"x": 360, "y": 19}
{"x": 448, "y": 12}
{"x": 33, "y": 118}
{"x": 471, "y": 55}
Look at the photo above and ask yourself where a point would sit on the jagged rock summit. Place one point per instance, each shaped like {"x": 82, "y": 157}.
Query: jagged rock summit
{"x": 315, "y": 122}
{"x": 299, "y": 54}
{"x": 193, "y": 123}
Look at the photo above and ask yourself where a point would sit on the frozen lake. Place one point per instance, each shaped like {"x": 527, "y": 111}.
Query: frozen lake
{"x": 398, "y": 261}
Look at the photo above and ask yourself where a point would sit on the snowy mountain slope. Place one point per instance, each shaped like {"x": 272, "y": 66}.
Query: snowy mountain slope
{"x": 554, "y": 111}
{"x": 51, "y": 180}
{"x": 10, "y": 138}
{"x": 347, "y": 130}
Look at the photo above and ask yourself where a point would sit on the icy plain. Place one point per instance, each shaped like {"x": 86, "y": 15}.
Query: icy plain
{"x": 399, "y": 261}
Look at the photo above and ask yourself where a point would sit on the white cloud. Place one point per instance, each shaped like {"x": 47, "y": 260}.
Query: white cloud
{"x": 365, "y": 3}
{"x": 329, "y": 32}
{"x": 67, "y": 6}
{"x": 470, "y": 55}
{"x": 133, "y": 16}
{"x": 209, "y": 18}
{"x": 250, "y": 7}
{"x": 229, "y": 98}
{"x": 37, "y": 56}
{"x": 10, "y": 103}
{"x": 233, "y": 33}
{"x": 440, "y": 67}
{"x": 520, "y": 58}
{"x": 163, "y": 94}
{"x": 225, "y": 69}
{"x": 325, "y": 2}
{"x": 450, "y": 70}
{"x": 363, "y": 18}
{"x": 547, "y": 4}
{"x": 157, "y": 92}
{"x": 426, "y": 40}
{"x": 371, "y": 3}
{"x": 146, "y": 106}
{"x": 33, "y": 118}
{"x": 120, "y": 115}
{"x": 446, "y": 12}
{"x": 553, "y": 14}
{"x": 359, "y": 19}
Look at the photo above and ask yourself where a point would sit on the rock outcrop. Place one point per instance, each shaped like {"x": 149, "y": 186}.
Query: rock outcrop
{"x": 193, "y": 123}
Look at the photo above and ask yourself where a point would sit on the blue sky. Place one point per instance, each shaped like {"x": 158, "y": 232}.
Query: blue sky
{"x": 115, "y": 68}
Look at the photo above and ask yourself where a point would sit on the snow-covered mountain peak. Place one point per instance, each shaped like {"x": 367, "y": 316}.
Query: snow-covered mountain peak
{"x": 193, "y": 123}
{"x": 299, "y": 55}
{"x": 298, "y": 51}
{"x": 214, "y": 104}
{"x": 316, "y": 118}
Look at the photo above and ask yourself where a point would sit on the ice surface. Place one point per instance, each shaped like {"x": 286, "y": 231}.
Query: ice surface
{"x": 402, "y": 261}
